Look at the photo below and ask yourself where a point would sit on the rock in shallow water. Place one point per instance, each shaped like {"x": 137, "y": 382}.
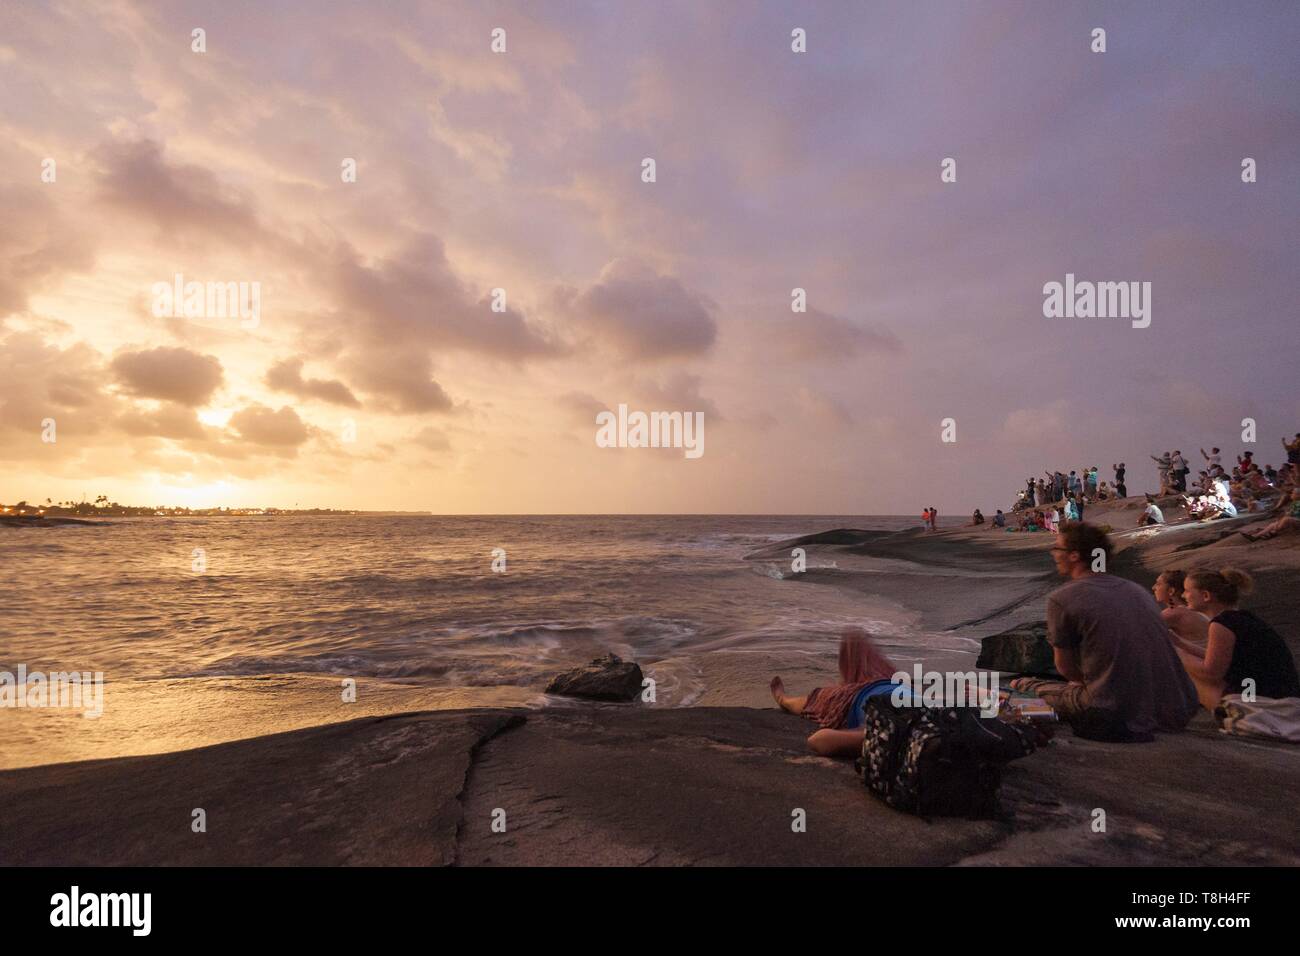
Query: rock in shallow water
{"x": 1021, "y": 650}
{"x": 606, "y": 678}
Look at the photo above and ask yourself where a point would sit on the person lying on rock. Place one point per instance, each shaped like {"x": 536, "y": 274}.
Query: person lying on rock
{"x": 1123, "y": 679}
{"x": 1240, "y": 646}
{"x": 1288, "y": 510}
{"x": 841, "y": 708}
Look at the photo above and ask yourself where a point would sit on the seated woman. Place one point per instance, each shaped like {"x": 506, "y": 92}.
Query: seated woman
{"x": 1239, "y": 647}
{"x": 1190, "y": 625}
{"x": 841, "y": 709}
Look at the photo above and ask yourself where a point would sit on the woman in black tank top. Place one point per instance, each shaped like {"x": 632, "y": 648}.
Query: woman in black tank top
{"x": 1241, "y": 647}
{"x": 1258, "y": 654}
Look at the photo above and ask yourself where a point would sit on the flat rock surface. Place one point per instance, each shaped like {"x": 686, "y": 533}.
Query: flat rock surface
{"x": 379, "y": 790}
{"x": 631, "y": 785}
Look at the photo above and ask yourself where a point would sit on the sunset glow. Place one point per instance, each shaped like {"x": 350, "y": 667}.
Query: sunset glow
{"x": 343, "y": 349}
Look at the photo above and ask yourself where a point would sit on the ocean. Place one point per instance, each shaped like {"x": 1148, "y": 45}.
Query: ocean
{"x": 210, "y": 629}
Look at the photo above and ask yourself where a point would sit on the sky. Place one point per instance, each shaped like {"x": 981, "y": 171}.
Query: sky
{"x": 380, "y": 369}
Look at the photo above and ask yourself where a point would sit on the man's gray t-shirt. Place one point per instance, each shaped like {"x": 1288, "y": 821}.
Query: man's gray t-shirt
{"x": 1129, "y": 665}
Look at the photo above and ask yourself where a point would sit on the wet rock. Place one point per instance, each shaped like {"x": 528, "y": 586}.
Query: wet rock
{"x": 1021, "y": 650}
{"x": 606, "y": 678}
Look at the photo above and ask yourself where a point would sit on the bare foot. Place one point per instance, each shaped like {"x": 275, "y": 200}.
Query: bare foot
{"x": 778, "y": 689}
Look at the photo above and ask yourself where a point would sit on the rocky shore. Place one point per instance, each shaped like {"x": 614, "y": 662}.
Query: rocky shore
{"x": 629, "y": 785}
{"x": 632, "y": 784}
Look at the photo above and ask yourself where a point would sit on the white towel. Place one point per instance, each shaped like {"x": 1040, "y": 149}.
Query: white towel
{"x": 1276, "y": 718}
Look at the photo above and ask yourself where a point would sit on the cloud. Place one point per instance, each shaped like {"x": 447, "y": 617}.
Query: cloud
{"x": 431, "y": 438}
{"x": 415, "y": 297}
{"x": 169, "y": 374}
{"x": 820, "y": 336}
{"x": 678, "y": 391}
{"x": 167, "y": 421}
{"x": 180, "y": 199}
{"x": 37, "y": 246}
{"x": 580, "y": 407}
{"x": 38, "y": 381}
{"x": 521, "y": 171}
{"x": 1028, "y": 426}
{"x": 278, "y": 428}
{"x": 401, "y": 379}
{"x": 640, "y": 314}
{"x": 825, "y": 409}
{"x": 286, "y": 376}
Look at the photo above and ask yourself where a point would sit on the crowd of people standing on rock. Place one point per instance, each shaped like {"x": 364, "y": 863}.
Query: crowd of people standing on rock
{"x": 1058, "y": 497}
{"x": 1060, "y": 489}
{"x": 1046, "y": 503}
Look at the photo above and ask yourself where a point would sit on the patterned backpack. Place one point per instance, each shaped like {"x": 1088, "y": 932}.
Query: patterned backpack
{"x": 938, "y": 761}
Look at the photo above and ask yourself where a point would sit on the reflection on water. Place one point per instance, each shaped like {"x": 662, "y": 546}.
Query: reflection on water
{"x": 286, "y": 608}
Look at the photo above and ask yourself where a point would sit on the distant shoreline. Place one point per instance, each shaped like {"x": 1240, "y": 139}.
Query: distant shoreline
{"x": 946, "y": 522}
{"x": 67, "y": 516}
{"x": 41, "y": 520}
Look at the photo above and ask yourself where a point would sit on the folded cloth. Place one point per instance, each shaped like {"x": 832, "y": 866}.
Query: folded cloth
{"x": 1277, "y": 718}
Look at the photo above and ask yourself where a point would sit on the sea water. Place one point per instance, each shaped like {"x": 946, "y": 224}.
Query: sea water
{"x": 209, "y": 629}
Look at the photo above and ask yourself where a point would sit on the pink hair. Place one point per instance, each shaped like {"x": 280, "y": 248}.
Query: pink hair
{"x": 860, "y": 661}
